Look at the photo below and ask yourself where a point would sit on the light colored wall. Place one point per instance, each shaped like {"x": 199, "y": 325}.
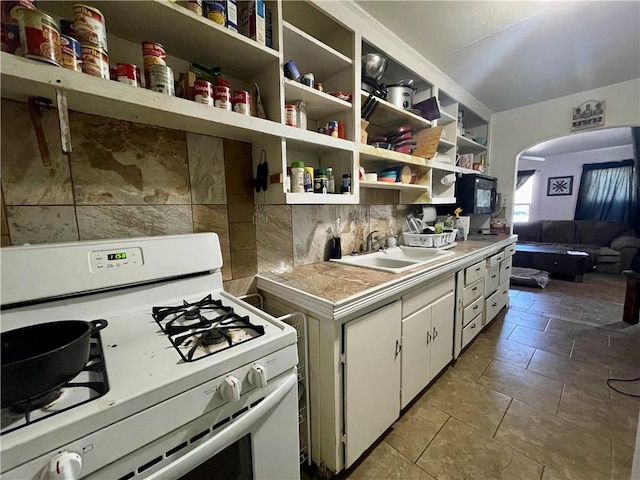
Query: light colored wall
{"x": 513, "y": 131}
{"x": 570, "y": 164}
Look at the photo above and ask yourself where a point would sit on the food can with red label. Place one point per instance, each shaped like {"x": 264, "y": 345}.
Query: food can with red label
{"x": 204, "y": 92}
{"x": 127, "y": 73}
{"x": 89, "y": 26}
{"x": 242, "y": 102}
{"x": 152, "y": 54}
{"x": 9, "y": 29}
{"x": 95, "y": 61}
{"x": 39, "y": 36}
{"x": 71, "y": 53}
{"x": 223, "y": 97}
{"x": 290, "y": 115}
{"x": 161, "y": 79}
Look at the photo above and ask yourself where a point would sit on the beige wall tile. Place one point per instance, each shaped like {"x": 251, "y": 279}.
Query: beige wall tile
{"x": 25, "y": 181}
{"x": 241, "y": 286}
{"x": 206, "y": 169}
{"x": 214, "y": 218}
{"x": 116, "y": 162}
{"x": 354, "y": 226}
{"x": 242, "y": 236}
{"x": 275, "y": 239}
{"x": 383, "y": 219}
{"x": 33, "y": 224}
{"x": 312, "y": 227}
{"x": 241, "y": 207}
{"x": 97, "y": 222}
{"x": 238, "y": 166}
{"x": 244, "y": 263}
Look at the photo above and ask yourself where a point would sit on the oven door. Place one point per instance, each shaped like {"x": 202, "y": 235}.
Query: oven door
{"x": 261, "y": 443}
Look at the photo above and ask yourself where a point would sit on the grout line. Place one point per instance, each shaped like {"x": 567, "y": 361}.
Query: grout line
{"x": 502, "y": 419}
{"x": 542, "y": 473}
{"x": 573, "y": 345}
{"x": 564, "y": 385}
{"x": 434, "y": 437}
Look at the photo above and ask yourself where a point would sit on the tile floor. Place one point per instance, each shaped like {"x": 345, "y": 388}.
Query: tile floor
{"x": 528, "y": 399}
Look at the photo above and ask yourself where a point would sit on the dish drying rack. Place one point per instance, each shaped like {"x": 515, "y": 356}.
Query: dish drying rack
{"x": 298, "y": 321}
{"x": 413, "y": 236}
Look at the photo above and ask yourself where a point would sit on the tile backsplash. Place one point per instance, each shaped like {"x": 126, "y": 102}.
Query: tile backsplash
{"x": 125, "y": 180}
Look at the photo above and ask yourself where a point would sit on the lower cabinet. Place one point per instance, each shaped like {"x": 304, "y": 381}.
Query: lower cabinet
{"x": 427, "y": 345}
{"x": 372, "y": 348}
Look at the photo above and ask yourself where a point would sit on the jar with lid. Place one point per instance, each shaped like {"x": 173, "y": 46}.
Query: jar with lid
{"x": 331, "y": 181}
{"x": 297, "y": 177}
{"x": 320, "y": 181}
{"x": 346, "y": 183}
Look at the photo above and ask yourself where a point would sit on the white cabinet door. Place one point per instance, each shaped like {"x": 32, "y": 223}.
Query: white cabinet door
{"x": 416, "y": 339}
{"x": 372, "y": 377}
{"x": 442, "y": 314}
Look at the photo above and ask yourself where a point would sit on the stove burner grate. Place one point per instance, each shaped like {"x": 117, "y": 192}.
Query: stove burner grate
{"x": 199, "y": 329}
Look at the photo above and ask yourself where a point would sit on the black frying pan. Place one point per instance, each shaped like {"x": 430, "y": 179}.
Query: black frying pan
{"x": 39, "y": 359}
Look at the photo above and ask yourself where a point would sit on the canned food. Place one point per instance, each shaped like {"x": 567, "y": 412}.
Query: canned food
{"x": 66, "y": 28}
{"x": 88, "y": 23}
{"x": 204, "y": 92}
{"x": 215, "y": 11}
{"x": 242, "y": 102}
{"x": 223, "y": 97}
{"x": 7, "y": 13}
{"x": 195, "y": 6}
{"x": 39, "y": 36}
{"x": 9, "y": 29}
{"x": 94, "y": 61}
{"x": 152, "y": 54}
{"x": 127, "y": 73}
{"x": 307, "y": 79}
{"x": 332, "y": 128}
{"x": 161, "y": 79}
{"x": 290, "y": 115}
{"x": 71, "y": 53}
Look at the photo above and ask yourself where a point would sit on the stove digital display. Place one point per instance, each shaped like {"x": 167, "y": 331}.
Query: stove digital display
{"x": 117, "y": 256}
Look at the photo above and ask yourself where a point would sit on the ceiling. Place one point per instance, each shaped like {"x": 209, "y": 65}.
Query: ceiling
{"x": 510, "y": 53}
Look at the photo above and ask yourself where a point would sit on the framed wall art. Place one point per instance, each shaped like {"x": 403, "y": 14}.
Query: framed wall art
{"x": 557, "y": 186}
{"x": 588, "y": 115}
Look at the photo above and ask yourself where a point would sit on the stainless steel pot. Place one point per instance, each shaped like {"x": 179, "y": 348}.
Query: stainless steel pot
{"x": 401, "y": 94}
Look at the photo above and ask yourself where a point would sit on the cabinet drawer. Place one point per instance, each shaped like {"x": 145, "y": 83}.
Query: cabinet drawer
{"x": 493, "y": 304}
{"x": 426, "y": 295}
{"x": 472, "y": 292}
{"x": 505, "y": 270}
{"x": 474, "y": 272}
{"x": 510, "y": 250}
{"x": 493, "y": 280}
{"x": 472, "y": 311}
{"x": 471, "y": 330}
{"x": 495, "y": 260}
{"x": 504, "y": 291}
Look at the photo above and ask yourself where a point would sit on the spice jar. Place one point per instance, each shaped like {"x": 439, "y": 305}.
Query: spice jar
{"x": 346, "y": 183}
{"x": 320, "y": 181}
{"x": 297, "y": 177}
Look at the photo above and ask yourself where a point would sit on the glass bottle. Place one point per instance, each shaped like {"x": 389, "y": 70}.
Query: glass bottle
{"x": 331, "y": 181}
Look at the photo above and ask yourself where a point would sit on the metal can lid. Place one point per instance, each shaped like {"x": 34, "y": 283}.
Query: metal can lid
{"x": 346, "y": 175}
{"x": 297, "y": 164}
{"x": 289, "y": 106}
{"x": 321, "y": 171}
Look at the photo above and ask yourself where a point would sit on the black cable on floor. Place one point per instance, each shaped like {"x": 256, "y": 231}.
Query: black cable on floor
{"x": 622, "y": 380}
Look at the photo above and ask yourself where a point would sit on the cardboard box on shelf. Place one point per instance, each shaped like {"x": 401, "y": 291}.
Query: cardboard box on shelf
{"x": 252, "y": 21}
{"x": 363, "y": 131}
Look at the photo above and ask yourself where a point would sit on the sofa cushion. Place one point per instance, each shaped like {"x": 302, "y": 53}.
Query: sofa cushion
{"x": 598, "y": 233}
{"x": 528, "y": 232}
{"x": 558, "y": 231}
{"x": 608, "y": 255}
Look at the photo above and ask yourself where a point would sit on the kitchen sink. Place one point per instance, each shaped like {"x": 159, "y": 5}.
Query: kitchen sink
{"x": 396, "y": 259}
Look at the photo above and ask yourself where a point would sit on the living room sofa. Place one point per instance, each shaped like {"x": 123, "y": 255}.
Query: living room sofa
{"x": 611, "y": 245}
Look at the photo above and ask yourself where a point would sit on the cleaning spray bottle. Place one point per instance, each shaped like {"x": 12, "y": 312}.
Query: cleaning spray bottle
{"x": 336, "y": 248}
{"x": 457, "y": 226}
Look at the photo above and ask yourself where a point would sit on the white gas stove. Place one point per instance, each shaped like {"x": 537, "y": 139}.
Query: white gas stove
{"x": 190, "y": 378}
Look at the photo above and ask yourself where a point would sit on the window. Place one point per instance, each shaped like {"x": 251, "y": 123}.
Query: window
{"x": 523, "y": 200}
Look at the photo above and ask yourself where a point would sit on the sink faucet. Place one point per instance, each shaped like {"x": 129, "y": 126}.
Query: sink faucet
{"x": 371, "y": 239}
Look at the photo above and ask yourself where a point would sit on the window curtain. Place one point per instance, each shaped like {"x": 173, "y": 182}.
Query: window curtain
{"x": 608, "y": 192}
{"x": 635, "y": 214}
{"x": 523, "y": 176}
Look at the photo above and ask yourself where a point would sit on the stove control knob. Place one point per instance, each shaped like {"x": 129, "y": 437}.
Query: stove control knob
{"x": 230, "y": 389}
{"x": 65, "y": 466}
{"x": 258, "y": 376}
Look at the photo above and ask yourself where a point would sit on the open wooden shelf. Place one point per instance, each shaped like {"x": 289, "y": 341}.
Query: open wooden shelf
{"x": 320, "y": 105}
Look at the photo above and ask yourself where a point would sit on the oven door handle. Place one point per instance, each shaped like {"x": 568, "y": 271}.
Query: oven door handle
{"x": 227, "y": 436}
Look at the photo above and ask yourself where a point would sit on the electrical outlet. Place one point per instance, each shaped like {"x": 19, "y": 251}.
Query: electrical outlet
{"x": 504, "y": 201}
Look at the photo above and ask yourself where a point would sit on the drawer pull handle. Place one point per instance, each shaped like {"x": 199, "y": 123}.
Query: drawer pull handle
{"x": 428, "y": 337}
{"x": 478, "y": 269}
{"x": 473, "y": 325}
{"x": 493, "y": 276}
{"x": 474, "y": 289}
{"x": 475, "y": 307}
{"x": 507, "y": 268}
{"x": 398, "y": 347}
{"x": 495, "y": 304}
{"x": 435, "y": 333}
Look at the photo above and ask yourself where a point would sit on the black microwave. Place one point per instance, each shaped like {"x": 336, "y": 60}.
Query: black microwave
{"x": 476, "y": 193}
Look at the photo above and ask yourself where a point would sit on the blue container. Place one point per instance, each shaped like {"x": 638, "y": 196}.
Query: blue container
{"x": 291, "y": 71}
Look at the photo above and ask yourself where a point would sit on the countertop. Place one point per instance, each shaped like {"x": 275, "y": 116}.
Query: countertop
{"x": 337, "y": 291}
